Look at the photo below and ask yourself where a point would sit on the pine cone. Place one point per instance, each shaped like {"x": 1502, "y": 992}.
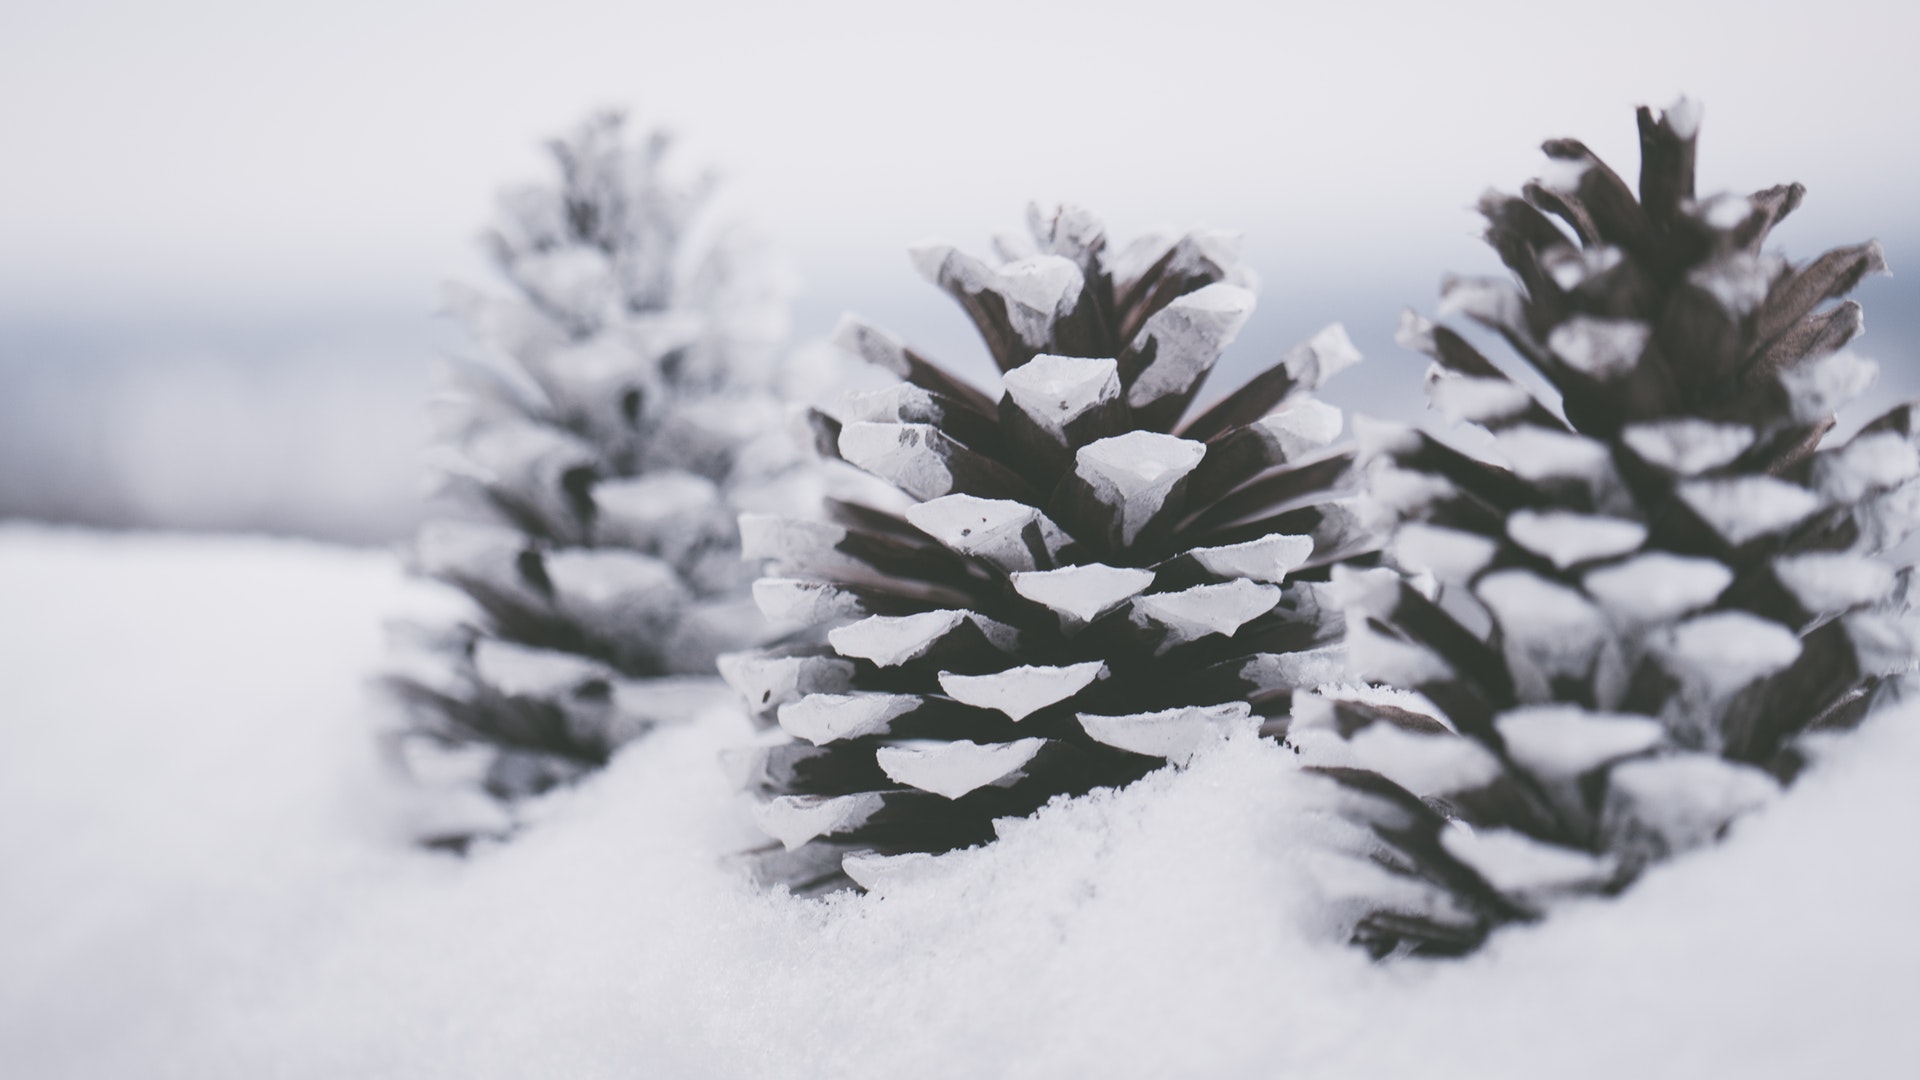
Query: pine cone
{"x": 1084, "y": 585}
{"x": 1621, "y": 633}
{"x": 597, "y": 457}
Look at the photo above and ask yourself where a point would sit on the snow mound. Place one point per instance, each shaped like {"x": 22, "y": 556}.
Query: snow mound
{"x": 206, "y": 877}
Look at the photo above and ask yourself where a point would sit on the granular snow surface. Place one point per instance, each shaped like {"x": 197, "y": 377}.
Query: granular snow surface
{"x": 206, "y": 875}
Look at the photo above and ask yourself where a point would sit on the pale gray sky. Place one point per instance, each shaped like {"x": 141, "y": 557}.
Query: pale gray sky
{"x": 223, "y": 224}
{"x": 207, "y": 153}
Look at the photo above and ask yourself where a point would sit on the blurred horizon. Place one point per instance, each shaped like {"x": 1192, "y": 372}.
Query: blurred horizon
{"x": 227, "y": 225}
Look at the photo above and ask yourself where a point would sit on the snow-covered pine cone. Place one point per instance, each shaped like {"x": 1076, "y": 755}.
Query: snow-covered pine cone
{"x": 1632, "y": 620}
{"x": 1088, "y": 579}
{"x": 596, "y": 457}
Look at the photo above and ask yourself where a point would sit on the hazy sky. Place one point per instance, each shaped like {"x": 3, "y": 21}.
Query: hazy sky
{"x": 205, "y": 154}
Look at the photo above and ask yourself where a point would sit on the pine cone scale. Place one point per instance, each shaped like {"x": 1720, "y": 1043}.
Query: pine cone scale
{"x": 1092, "y": 631}
{"x": 1640, "y": 610}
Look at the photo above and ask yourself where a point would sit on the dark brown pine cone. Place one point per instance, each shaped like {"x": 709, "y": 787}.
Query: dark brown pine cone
{"x": 1622, "y": 627}
{"x": 1091, "y": 577}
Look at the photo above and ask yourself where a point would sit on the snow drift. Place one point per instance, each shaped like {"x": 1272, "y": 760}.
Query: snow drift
{"x": 206, "y": 875}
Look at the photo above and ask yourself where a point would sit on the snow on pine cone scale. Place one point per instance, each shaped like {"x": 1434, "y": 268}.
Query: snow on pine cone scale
{"x": 1624, "y": 631}
{"x": 1084, "y": 584}
{"x": 596, "y": 457}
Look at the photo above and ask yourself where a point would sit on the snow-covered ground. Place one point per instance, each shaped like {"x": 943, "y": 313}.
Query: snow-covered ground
{"x": 203, "y": 874}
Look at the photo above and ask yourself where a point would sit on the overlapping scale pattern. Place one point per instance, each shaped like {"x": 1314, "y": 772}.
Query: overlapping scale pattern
{"x": 595, "y": 452}
{"x": 1616, "y": 622}
{"x": 1090, "y": 576}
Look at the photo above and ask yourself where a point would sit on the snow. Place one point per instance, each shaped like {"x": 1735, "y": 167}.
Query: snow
{"x": 825, "y": 718}
{"x": 1321, "y": 357}
{"x": 1019, "y": 692}
{"x": 1566, "y": 538}
{"x": 1570, "y": 266}
{"x": 1081, "y": 594}
{"x": 1566, "y": 740}
{"x": 1687, "y": 798}
{"x": 1723, "y": 651}
{"x": 1725, "y": 211}
{"x": 1475, "y": 400}
{"x": 1049, "y": 285}
{"x": 1394, "y": 493}
{"x": 1603, "y": 348}
{"x": 1270, "y": 558}
{"x": 991, "y": 529}
{"x": 1564, "y": 174}
{"x": 1173, "y": 734}
{"x": 872, "y": 344}
{"x": 1057, "y": 390}
{"x": 1657, "y": 587}
{"x": 1683, "y": 116}
{"x": 1299, "y": 425}
{"x": 768, "y": 682}
{"x": 1866, "y": 464}
{"x": 1550, "y": 630}
{"x": 790, "y": 542}
{"x": 1303, "y": 670}
{"x": 1489, "y": 301}
{"x": 911, "y": 456}
{"x": 1688, "y": 445}
{"x": 1452, "y": 555}
{"x": 956, "y": 767}
{"x": 1537, "y": 454}
{"x": 795, "y": 819}
{"x": 1189, "y": 334}
{"x": 534, "y": 449}
{"x": 1136, "y": 472}
{"x": 616, "y": 592}
{"x": 900, "y": 402}
{"x": 1743, "y": 508}
{"x": 892, "y": 640}
{"x": 1448, "y": 554}
{"x": 1068, "y": 229}
{"x": 1038, "y": 289}
{"x": 668, "y": 510}
{"x": 1824, "y": 581}
{"x": 1376, "y": 657}
{"x": 1740, "y": 280}
{"x": 1883, "y": 643}
{"x": 1514, "y": 862}
{"x": 518, "y": 669}
{"x": 1191, "y": 614}
{"x": 1424, "y": 764}
{"x": 1374, "y": 437}
{"x": 206, "y": 877}
{"x": 1820, "y": 386}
